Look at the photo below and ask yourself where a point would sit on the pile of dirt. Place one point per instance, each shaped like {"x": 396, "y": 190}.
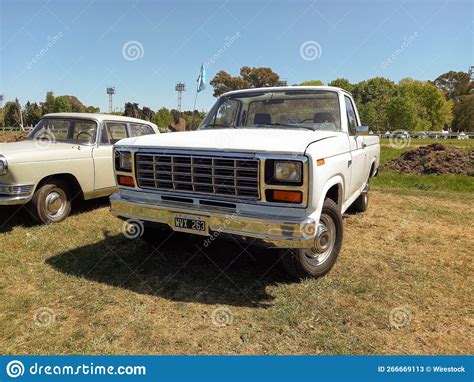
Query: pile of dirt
{"x": 434, "y": 159}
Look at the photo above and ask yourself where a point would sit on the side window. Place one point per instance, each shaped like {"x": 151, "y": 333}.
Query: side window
{"x": 351, "y": 116}
{"x": 112, "y": 132}
{"x": 137, "y": 130}
{"x": 225, "y": 115}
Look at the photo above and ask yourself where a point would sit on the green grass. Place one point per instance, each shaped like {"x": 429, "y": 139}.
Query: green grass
{"x": 81, "y": 287}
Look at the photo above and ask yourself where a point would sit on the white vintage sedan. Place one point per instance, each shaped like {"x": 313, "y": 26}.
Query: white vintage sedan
{"x": 67, "y": 156}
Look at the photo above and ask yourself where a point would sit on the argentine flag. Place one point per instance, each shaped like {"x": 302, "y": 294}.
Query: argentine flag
{"x": 201, "y": 81}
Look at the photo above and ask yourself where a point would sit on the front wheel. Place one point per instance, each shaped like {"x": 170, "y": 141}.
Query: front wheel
{"x": 319, "y": 259}
{"x": 51, "y": 203}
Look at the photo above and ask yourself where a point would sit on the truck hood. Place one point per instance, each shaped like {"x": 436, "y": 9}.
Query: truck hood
{"x": 35, "y": 151}
{"x": 241, "y": 139}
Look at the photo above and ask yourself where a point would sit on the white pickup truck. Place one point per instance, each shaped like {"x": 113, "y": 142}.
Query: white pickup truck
{"x": 274, "y": 166}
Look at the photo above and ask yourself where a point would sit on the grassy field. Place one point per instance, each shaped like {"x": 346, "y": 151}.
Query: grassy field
{"x": 401, "y": 286}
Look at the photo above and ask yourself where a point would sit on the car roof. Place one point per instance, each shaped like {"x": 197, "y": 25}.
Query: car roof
{"x": 284, "y": 88}
{"x": 99, "y": 117}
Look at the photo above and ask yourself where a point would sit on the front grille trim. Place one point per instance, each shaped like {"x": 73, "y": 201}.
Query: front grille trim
{"x": 231, "y": 176}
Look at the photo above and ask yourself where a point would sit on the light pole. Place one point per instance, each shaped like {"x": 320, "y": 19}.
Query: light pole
{"x": 180, "y": 88}
{"x": 110, "y": 92}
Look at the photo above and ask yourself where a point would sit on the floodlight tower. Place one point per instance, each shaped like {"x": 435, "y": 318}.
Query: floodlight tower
{"x": 110, "y": 92}
{"x": 1, "y": 100}
{"x": 180, "y": 88}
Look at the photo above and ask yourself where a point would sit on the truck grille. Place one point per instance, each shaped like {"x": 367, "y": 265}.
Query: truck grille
{"x": 204, "y": 174}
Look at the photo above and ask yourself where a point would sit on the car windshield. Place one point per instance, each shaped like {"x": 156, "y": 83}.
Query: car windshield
{"x": 307, "y": 109}
{"x": 79, "y": 131}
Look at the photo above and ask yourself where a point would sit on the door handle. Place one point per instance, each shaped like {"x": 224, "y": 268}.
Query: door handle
{"x": 364, "y": 145}
{"x": 349, "y": 162}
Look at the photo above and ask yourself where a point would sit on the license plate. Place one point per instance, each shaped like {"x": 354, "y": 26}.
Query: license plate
{"x": 191, "y": 223}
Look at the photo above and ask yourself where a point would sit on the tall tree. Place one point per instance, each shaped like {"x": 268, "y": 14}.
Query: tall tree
{"x": 312, "y": 83}
{"x": 401, "y": 114}
{"x": 342, "y": 83}
{"x": 12, "y": 113}
{"x": 32, "y": 114}
{"x": 48, "y": 104}
{"x": 454, "y": 84}
{"x": 62, "y": 105}
{"x": 248, "y": 78}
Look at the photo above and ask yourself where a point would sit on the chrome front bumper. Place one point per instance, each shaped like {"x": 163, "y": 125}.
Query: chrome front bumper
{"x": 272, "y": 231}
{"x": 13, "y": 194}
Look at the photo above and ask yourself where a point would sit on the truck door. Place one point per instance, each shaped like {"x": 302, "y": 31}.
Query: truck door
{"x": 358, "y": 161}
{"x": 111, "y": 132}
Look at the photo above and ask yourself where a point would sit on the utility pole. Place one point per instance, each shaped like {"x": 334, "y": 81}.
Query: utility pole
{"x": 110, "y": 92}
{"x": 180, "y": 88}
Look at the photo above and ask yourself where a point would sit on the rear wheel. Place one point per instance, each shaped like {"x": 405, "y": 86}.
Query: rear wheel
{"x": 319, "y": 259}
{"x": 51, "y": 203}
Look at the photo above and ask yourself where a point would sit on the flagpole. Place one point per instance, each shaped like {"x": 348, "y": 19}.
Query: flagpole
{"x": 194, "y": 108}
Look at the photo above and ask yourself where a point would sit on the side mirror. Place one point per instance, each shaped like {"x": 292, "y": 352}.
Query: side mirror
{"x": 362, "y": 130}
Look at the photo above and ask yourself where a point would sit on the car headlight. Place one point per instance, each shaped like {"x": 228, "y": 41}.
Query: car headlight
{"x": 124, "y": 160}
{"x": 288, "y": 171}
{"x": 3, "y": 165}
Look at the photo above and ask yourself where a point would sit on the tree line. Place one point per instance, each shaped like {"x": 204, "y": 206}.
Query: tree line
{"x": 447, "y": 102}
{"x": 411, "y": 105}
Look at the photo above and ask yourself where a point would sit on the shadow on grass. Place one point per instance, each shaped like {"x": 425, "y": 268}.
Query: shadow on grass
{"x": 19, "y": 216}
{"x": 180, "y": 269}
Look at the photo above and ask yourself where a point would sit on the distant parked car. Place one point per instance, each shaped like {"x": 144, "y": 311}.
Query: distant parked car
{"x": 66, "y": 156}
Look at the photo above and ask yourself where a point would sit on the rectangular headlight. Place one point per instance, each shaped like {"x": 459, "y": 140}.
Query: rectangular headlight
{"x": 288, "y": 171}
{"x": 123, "y": 160}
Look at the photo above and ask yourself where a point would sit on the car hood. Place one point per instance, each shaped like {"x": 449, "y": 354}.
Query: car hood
{"x": 34, "y": 151}
{"x": 283, "y": 141}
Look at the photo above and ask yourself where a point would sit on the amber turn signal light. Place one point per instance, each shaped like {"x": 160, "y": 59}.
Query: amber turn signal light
{"x": 286, "y": 196}
{"x": 125, "y": 181}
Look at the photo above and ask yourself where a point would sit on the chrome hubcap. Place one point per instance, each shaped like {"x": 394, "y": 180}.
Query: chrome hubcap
{"x": 324, "y": 241}
{"x": 55, "y": 203}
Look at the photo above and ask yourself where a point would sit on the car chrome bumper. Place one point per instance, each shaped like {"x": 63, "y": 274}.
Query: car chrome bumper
{"x": 274, "y": 232}
{"x": 13, "y": 194}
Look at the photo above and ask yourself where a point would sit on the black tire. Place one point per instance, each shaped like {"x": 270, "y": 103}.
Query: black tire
{"x": 303, "y": 263}
{"x": 361, "y": 204}
{"x": 51, "y": 203}
{"x": 156, "y": 234}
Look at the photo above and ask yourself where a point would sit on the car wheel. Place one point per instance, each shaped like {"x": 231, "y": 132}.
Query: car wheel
{"x": 319, "y": 259}
{"x": 51, "y": 203}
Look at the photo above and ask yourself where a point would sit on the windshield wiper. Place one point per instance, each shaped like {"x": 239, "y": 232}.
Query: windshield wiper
{"x": 283, "y": 125}
{"x": 217, "y": 126}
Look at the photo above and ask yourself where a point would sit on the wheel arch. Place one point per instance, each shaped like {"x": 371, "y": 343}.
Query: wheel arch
{"x": 69, "y": 178}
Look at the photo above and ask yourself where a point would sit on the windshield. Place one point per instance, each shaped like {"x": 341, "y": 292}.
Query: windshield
{"x": 308, "y": 109}
{"x": 79, "y": 131}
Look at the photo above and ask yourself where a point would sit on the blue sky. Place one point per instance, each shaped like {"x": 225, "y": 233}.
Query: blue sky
{"x": 80, "y": 47}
